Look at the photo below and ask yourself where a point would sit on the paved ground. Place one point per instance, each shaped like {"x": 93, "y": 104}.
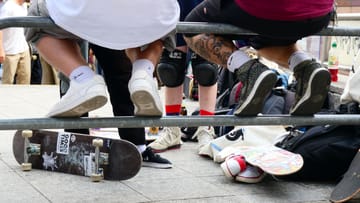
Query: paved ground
{"x": 193, "y": 178}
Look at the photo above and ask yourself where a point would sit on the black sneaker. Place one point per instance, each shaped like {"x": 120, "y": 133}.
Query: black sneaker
{"x": 313, "y": 83}
{"x": 150, "y": 159}
{"x": 257, "y": 81}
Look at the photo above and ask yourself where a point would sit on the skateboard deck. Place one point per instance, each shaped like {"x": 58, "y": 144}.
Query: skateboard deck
{"x": 78, "y": 154}
{"x": 271, "y": 159}
{"x": 349, "y": 187}
{"x": 151, "y": 133}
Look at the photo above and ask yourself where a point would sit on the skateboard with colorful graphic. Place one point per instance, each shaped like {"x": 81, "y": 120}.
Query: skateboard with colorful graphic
{"x": 349, "y": 187}
{"x": 78, "y": 154}
{"x": 272, "y": 160}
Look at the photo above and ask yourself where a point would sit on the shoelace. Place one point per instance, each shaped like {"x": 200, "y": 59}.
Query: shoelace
{"x": 202, "y": 133}
{"x": 166, "y": 137}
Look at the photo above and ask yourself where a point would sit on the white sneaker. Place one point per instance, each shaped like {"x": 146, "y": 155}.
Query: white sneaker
{"x": 251, "y": 174}
{"x": 220, "y": 143}
{"x": 145, "y": 95}
{"x": 170, "y": 138}
{"x": 81, "y": 98}
{"x": 233, "y": 165}
{"x": 204, "y": 135}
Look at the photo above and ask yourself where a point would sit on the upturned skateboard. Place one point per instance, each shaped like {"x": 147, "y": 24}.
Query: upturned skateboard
{"x": 349, "y": 186}
{"x": 78, "y": 154}
{"x": 272, "y": 160}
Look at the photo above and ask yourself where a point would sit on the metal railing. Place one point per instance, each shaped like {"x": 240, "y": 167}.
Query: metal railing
{"x": 182, "y": 121}
{"x": 182, "y": 27}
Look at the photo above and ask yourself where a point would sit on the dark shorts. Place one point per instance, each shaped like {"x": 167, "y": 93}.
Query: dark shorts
{"x": 271, "y": 33}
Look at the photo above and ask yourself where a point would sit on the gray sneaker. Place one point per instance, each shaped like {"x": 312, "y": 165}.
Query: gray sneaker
{"x": 313, "y": 83}
{"x": 257, "y": 81}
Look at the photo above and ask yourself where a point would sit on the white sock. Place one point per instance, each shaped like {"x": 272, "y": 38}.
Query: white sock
{"x": 144, "y": 65}
{"x": 82, "y": 74}
{"x": 236, "y": 60}
{"x": 296, "y": 58}
{"x": 141, "y": 148}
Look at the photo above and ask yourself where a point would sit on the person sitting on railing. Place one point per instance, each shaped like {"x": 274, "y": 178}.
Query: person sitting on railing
{"x": 107, "y": 24}
{"x": 171, "y": 71}
{"x": 279, "y": 24}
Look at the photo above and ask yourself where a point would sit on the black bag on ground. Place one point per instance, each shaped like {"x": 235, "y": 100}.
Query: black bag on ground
{"x": 327, "y": 150}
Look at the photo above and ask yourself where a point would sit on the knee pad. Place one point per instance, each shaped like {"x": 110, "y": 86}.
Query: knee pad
{"x": 171, "y": 68}
{"x": 204, "y": 72}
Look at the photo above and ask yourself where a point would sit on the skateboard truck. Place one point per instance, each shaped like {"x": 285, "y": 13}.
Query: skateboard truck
{"x": 29, "y": 149}
{"x": 98, "y": 172}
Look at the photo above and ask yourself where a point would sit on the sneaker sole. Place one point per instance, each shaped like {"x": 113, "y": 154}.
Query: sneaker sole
{"x": 315, "y": 94}
{"x": 250, "y": 180}
{"x": 82, "y": 108}
{"x": 145, "y": 104}
{"x": 156, "y": 165}
{"x": 255, "y": 101}
{"x": 174, "y": 147}
{"x": 226, "y": 171}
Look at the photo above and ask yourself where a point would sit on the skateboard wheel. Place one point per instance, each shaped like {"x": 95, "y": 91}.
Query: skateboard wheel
{"x": 96, "y": 177}
{"x": 97, "y": 142}
{"x": 27, "y": 133}
{"x": 26, "y": 166}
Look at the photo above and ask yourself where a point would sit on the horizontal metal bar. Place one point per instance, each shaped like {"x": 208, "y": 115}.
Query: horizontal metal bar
{"x": 348, "y": 16}
{"x": 28, "y": 21}
{"x": 181, "y": 121}
{"x": 182, "y": 27}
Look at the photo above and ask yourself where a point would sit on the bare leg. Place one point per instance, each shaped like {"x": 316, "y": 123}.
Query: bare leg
{"x": 83, "y": 95}
{"x": 213, "y": 48}
{"x": 152, "y": 52}
{"x": 64, "y": 54}
{"x": 173, "y": 95}
{"x": 207, "y": 97}
{"x": 279, "y": 54}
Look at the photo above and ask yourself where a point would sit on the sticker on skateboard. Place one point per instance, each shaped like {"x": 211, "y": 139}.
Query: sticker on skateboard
{"x": 271, "y": 159}
{"x": 78, "y": 154}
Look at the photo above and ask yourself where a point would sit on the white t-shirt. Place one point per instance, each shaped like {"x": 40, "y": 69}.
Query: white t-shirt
{"x": 14, "y": 41}
{"x": 116, "y": 24}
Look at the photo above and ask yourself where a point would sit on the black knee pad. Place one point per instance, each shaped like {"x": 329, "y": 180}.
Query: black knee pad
{"x": 204, "y": 72}
{"x": 171, "y": 68}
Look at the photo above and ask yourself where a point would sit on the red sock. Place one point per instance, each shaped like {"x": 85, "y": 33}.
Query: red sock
{"x": 173, "y": 110}
{"x": 206, "y": 113}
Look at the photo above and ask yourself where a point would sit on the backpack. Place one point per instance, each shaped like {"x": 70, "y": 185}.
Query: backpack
{"x": 327, "y": 150}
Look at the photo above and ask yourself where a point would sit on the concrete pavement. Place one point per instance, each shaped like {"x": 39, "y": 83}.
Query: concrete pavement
{"x": 193, "y": 178}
